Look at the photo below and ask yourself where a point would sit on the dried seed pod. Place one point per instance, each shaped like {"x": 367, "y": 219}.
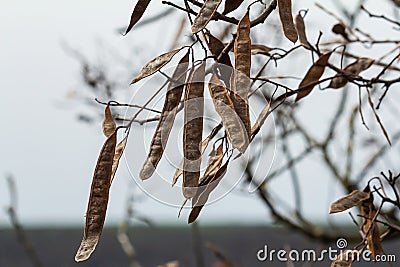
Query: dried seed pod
{"x": 119, "y": 151}
{"x": 193, "y": 130}
{"x": 233, "y": 125}
{"x": 258, "y": 49}
{"x": 345, "y": 259}
{"x": 98, "y": 200}
{"x": 213, "y": 165}
{"x": 350, "y": 71}
{"x": 301, "y": 31}
{"x": 216, "y": 47}
{"x": 353, "y": 199}
{"x": 204, "y": 145}
{"x": 137, "y": 13}
{"x": 370, "y": 227}
{"x": 207, "y": 186}
{"x": 205, "y": 15}
{"x": 167, "y": 117}
{"x": 231, "y": 5}
{"x": 240, "y": 77}
{"x": 285, "y": 14}
{"x": 155, "y": 65}
{"x": 312, "y": 76}
{"x": 260, "y": 120}
{"x": 108, "y": 125}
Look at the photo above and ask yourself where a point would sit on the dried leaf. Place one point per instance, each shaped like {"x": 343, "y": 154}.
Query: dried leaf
{"x": 350, "y": 71}
{"x": 233, "y": 125}
{"x": 98, "y": 200}
{"x": 231, "y": 5}
{"x": 193, "y": 130}
{"x": 206, "y": 187}
{"x": 155, "y": 65}
{"x": 312, "y": 76}
{"x": 204, "y": 145}
{"x": 301, "y": 31}
{"x": 370, "y": 227}
{"x": 344, "y": 259}
{"x": 258, "y": 49}
{"x": 119, "y": 151}
{"x": 205, "y": 15}
{"x": 167, "y": 117}
{"x": 240, "y": 78}
{"x": 137, "y": 13}
{"x": 285, "y": 14}
{"x": 353, "y": 199}
{"x": 108, "y": 125}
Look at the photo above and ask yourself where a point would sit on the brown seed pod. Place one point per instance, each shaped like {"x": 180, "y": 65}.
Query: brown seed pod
{"x": 260, "y": 120}
{"x": 353, "y": 199}
{"x": 350, "y": 71}
{"x": 345, "y": 259}
{"x": 231, "y": 5}
{"x": 108, "y": 125}
{"x": 301, "y": 30}
{"x": 98, "y": 200}
{"x": 233, "y": 125}
{"x": 208, "y": 185}
{"x": 258, "y": 49}
{"x": 216, "y": 47}
{"x": 285, "y": 14}
{"x": 370, "y": 227}
{"x": 204, "y": 145}
{"x": 119, "y": 151}
{"x": 193, "y": 130}
{"x": 205, "y": 14}
{"x": 240, "y": 77}
{"x": 312, "y": 76}
{"x": 137, "y": 13}
{"x": 167, "y": 117}
{"x": 155, "y": 65}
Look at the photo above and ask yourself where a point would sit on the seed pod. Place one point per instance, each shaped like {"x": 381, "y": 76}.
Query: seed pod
{"x": 137, "y": 13}
{"x": 193, "y": 130}
{"x": 108, "y": 125}
{"x": 350, "y": 71}
{"x": 351, "y": 200}
{"x": 260, "y": 120}
{"x": 344, "y": 259}
{"x": 98, "y": 200}
{"x": 233, "y": 125}
{"x": 205, "y": 15}
{"x": 370, "y": 227}
{"x": 312, "y": 76}
{"x": 258, "y": 49}
{"x": 301, "y": 30}
{"x": 240, "y": 77}
{"x": 167, "y": 117}
{"x": 216, "y": 47}
{"x": 204, "y": 145}
{"x": 119, "y": 151}
{"x": 207, "y": 186}
{"x": 213, "y": 164}
{"x": 155, "y": 65}
{"x": 285, "y": 14}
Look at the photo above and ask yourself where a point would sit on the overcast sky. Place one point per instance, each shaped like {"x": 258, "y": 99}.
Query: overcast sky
{"x": 49, "y": 152}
